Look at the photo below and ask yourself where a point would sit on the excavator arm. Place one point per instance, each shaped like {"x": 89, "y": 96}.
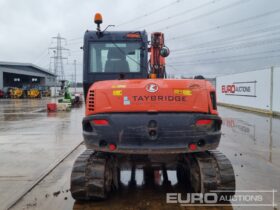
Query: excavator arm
{"x": 157, "y": 57}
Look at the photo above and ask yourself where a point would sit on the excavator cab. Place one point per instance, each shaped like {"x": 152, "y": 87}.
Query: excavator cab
{"x": 114, "y": 56}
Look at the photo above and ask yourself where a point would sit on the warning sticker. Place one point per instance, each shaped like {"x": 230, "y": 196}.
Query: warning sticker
{"x": 126, "y": 101}
{"x": 117, "y": 92}
{"x": 184, "y": 92}
{"x": 119, "y": 86}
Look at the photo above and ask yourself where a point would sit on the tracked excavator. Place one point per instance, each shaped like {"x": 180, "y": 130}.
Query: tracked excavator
{"x": 137, "y": 118}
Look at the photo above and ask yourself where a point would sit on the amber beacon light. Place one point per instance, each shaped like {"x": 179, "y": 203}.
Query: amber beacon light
{"x": 98, "y": 18}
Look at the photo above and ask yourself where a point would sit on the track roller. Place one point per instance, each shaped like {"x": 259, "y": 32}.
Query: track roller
{"x": 93, "y": 176}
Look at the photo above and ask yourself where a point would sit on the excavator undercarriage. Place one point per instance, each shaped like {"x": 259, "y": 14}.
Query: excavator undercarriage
{"x": 96, "y": 174}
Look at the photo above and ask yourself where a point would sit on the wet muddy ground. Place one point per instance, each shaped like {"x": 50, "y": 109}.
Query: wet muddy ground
{"x": 32, "y": 142}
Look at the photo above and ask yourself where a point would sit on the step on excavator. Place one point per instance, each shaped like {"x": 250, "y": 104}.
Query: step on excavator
{"x": 137, "y": 118}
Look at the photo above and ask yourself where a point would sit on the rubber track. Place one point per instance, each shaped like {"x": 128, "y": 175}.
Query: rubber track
{"x": 216, "y": 173}
{"x": 87, "y": 178}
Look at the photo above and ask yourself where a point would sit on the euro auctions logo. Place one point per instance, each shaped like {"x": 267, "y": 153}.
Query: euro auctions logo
{"x": 247, "y": 89}
{"x": 228, "y": 89}
{"x": 253, "y": 198}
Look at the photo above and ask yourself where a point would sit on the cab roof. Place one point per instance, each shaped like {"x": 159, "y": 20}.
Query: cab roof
{"x": 115, "y": 36}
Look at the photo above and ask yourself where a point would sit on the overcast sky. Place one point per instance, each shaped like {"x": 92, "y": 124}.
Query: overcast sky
{"x": 208, "y": 37}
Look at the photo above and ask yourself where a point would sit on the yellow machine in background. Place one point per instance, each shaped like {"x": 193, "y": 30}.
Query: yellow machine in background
{"x": 24, "y": 92}
{"x": 16, "y": 93}
{"x": 33, "y": 93}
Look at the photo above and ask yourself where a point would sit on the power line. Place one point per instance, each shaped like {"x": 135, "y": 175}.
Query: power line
{"x": 248, "y": 69}
{"x": 77, "y": 38}
{"x": 235, "y": 47}
{"x": 226, "y": 47}
{"x": 228, "y": 24}
{"x": 77, "y": 50}
{"x": 233, "y": 38}
{"x": 171, "y": 66}
{"x": 150, "y": 13}
{"x": 41, "y": 55}
{"x": 237, "y": 56}
{"x": 75, "y": 42}
{"x": 227, "y": 61}
{"x": 240, "y": 29}
{"x": 205, "y": 14}
{"x": 80, "y": 64}
{"x": 182, "y": 13}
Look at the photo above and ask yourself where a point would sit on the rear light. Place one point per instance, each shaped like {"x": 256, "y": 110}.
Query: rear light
{"x": 112, "y": 147}
{"x": 204, "y": 122}
{"x": 100, "y": 122}
{"x": 192, "y": 146}
{"x": 133, "y": 35}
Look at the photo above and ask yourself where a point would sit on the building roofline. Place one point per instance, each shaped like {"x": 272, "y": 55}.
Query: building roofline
{"x": 27, "y": 65}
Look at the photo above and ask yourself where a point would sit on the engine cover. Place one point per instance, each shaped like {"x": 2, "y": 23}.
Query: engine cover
{"x": 150, "y": 95}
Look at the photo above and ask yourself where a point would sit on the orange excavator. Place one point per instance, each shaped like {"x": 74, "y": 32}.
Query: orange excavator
{"x": 137, "y": 118}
